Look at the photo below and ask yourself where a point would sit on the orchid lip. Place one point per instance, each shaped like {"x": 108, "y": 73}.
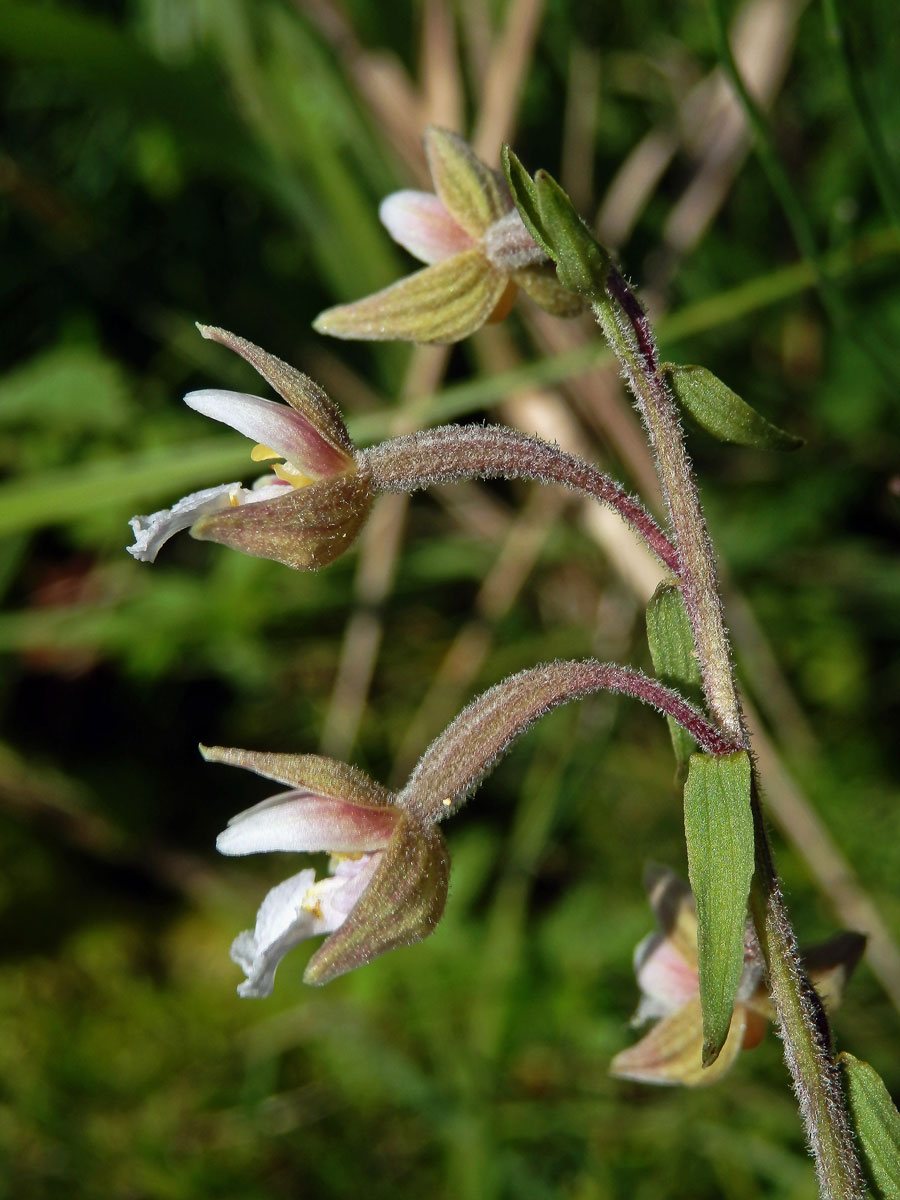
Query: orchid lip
{"x": 153, "y": 531}
{"x": 299, "y": 908}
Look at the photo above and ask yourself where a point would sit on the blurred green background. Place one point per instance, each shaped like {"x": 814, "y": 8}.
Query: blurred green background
{"x": 166, "y": 161}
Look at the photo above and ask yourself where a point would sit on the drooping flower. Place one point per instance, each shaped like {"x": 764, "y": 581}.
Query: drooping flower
{"x": 388, "y": 870}
{"x": 666, "y": 966}
{"x": 308, "y": 509}
{"x": 477, "y": 249}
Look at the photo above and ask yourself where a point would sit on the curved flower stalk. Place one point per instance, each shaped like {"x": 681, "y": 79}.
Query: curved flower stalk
{"x": 666, "y": 966}
{"x": 307, "y": 511}
{"x": 477, "y": 249}
{"x": 388, "y": 871}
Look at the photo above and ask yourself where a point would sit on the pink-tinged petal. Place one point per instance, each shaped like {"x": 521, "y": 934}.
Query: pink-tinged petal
{"x": 421, "y": 225}
{"x": 335, "y": 896}
{"x": 473, "y": 194}
{"x": 153, "y": 531}
{"x": 281, "y": 924}
{"x": 666, "y": 980}
{"x": 275, "y": 425}
{"x": 673, "y": 903}
{"x": 302, "y": 393}
{"x": 672, "y": 1051}
{"x": 443, "y": 303}
{"x": 301, "y": 821}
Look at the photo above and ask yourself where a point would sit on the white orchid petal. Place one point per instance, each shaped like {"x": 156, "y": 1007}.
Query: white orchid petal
{"x": 276, "y": 425}
{"x": 293, "y": 911}
{"x": 153, "y": 531}
{"x": 301, "y": 821}
{"x": 421, "y": 224}
{"x": 281, "y": 924}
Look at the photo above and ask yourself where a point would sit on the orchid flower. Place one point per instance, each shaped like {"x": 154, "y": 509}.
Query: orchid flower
{"x": 477, "y": 249}
{"x": 310, "y": 506}
{"x": 666, "y": 968}
{"x": 388, "y": 870}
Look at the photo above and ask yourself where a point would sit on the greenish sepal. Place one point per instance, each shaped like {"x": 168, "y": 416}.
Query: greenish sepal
{"x": 718, "y": 824}
{"x": 402, "y": 904}
{"x": 306, "y": 528}
{"x": 722, "y": 413}
{"x": 582, "y": 264}
{"x": 524, "y": 193}
{"x": 877, "y": 1125}
{"x": 674, "y": 660}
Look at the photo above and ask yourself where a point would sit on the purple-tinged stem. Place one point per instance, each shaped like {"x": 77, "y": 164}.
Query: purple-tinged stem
{"x": 803, "y": 1022}
{"x": 456, "y": 761}
{"x": 628, "y": 332}
{"x": 452, "y": 453}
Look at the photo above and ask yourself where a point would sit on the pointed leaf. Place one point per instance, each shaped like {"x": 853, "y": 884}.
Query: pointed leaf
{"x": 469, "y": 190}
{"x": 401, "y": 905}
{"x": 674, "y": 659}
{"x": 718, "y": 824}
{"x": 582, "y": 264}
{"x": 307, "y": 528}
{"x": 721, "y": 412}
{"x": 443, "y": 303}
{"x": 524, "y": 193}
{"x": 877, "y": 1124}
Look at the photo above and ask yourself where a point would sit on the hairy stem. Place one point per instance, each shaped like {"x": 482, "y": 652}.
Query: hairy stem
{"x": 804, "y": 1030}
{"x": 802, "y": 1020}
{"x": 628, "y": 332}
{"x": 453, "y": 453}
{"x": 459, "y": 758}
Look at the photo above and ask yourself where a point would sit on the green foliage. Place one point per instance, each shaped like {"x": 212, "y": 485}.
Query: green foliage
{"x": 877, "y": 1125}
{"x": 718, "y": 826}
{"x": 674, "y": 660}
{"x": 721, "y": 412}
{"x": 581, "y": 262}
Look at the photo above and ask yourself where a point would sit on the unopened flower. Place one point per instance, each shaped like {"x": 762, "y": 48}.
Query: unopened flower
{"x": 308, "y": 509}
{"x": 666, "y": 967}
{"x": 477, "y": 249}
{"x": 388, "y": 869}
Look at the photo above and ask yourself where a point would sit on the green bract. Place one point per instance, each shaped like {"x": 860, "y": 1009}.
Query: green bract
{"x": 718, "y": 825}
{"x": 877, "y": 1125}
{"x": 674, "y": 659}
{"x": 582, "y": 264}
{"x": 721, "y": 412}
